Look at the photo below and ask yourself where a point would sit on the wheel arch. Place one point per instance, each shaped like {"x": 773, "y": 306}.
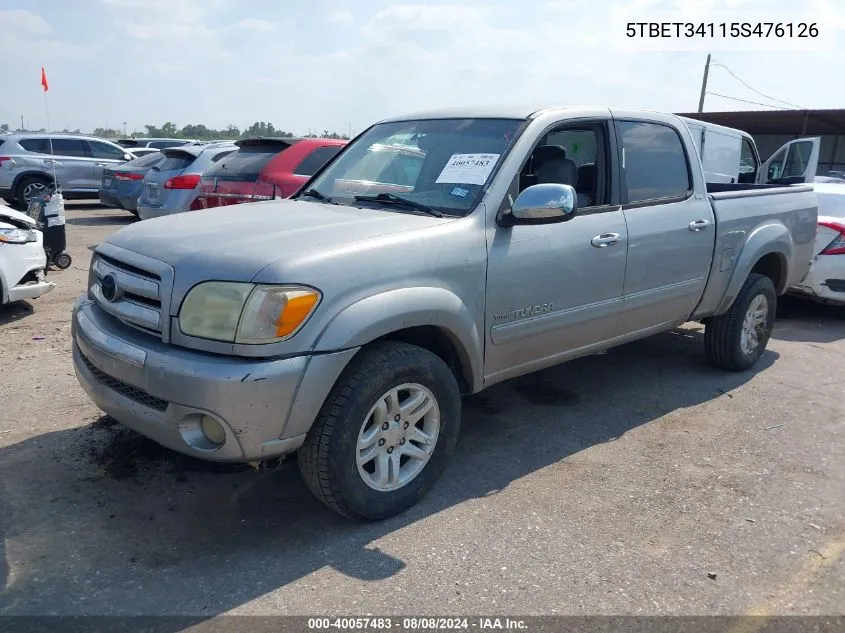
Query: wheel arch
{"x": 768, "y": 251}
{"x": 433, "y": 318}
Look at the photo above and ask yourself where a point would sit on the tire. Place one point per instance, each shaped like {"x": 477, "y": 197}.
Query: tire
{"x": 63, "y": 260}
{"x": 329, "y": 458}
{"x": 725, "y": 341}
{"x": 29, "y": 186}
{"x": 9, "y": 201}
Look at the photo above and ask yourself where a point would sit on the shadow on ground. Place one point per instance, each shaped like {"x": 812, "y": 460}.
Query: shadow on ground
{"x": 98, "y": 520}
{"x": 805, "y": 321}
{"x": 16, "y": 311}
{"x": 110, "y": 217}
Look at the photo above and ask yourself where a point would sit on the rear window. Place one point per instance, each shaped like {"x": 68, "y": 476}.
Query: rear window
{"x": 246, "y": 163}
{"x": 128, "y": 142}
{"x": 148, "y": 160}
{"x": 655, "y": 163}
{"x": 316, "y": 159}
{"x": 38, "y": 145}
{"x": 174, "y": 161}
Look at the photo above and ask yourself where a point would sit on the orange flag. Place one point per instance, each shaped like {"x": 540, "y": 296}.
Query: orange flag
{"x": 44, "y": 79}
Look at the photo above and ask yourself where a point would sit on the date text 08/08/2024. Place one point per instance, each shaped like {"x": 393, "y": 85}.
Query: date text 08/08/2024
{"x": 416, "y": 624}
{"x": 722, "y": 29}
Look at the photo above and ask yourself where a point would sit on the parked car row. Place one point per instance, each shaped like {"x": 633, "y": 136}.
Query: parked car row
{"x": 31, "y": 163}
{"x": 197, "y": 176}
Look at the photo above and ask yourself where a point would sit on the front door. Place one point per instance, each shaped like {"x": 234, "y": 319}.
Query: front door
{"x": 671, "y": 230}
{"x": 795, "y": 162}
{"x": 554, "y": 290}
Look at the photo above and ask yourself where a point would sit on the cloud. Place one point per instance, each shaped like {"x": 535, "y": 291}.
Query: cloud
{"x": 429, "y": 17}
{"x": 255, "y": 25}
{"x": 341, "y": 18}
{"x": 23, "y": 22}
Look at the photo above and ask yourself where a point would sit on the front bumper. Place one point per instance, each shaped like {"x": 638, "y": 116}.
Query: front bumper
{"x": 30, "y": 290}
{"x": 160, "y": 391}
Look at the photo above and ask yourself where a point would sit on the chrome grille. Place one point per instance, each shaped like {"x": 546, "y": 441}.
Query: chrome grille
{"x": 131, "y": 294}
{"x": 133, "y": 393}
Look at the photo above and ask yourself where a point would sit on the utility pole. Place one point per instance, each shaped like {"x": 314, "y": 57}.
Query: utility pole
{"x": 22, "y": 126}
{"x": 704, "y": 84}
{"x": 124, "y": 128}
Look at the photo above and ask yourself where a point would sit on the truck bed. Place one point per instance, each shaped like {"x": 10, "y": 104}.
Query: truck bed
{"x": 786, "y": 214}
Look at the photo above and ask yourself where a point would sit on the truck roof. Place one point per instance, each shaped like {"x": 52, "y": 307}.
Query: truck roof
{"x": 521, "y": 112}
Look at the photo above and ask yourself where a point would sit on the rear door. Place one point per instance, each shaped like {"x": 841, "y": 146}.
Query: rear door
{"x": 794, "y": 163}
{"x": 104, "y": 155}
{"x": 74, "y": 167}
{"x": 670, "y": 227}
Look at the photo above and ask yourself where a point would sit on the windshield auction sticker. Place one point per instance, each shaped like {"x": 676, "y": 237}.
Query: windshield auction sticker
{"x": 468, "y": 169}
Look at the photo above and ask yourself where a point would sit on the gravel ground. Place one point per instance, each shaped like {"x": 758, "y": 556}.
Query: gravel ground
{"x": 637, "y": 482}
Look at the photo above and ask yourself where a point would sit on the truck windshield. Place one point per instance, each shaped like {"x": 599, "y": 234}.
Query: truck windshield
{"x": 441, "y": 163}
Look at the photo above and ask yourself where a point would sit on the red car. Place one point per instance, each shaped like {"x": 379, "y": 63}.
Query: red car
{"x": 263, "y": 169}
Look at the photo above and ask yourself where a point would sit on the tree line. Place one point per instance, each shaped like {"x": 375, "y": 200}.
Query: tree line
{"x": 199, "y": 132}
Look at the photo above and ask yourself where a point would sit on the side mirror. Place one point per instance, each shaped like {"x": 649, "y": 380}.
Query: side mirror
{"x": 547, "y": 203}
{"x": 128, "y": 156}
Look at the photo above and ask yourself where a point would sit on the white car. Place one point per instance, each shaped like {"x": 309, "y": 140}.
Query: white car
{"x": 22, "y": 258}
{"x": 826, "y": 280}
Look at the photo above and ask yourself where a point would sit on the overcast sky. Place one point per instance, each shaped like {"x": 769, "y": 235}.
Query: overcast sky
{"x": 320, "y": 64}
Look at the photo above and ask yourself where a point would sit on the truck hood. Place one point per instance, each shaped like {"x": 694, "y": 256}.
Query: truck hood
{"x": 234, "y": 243}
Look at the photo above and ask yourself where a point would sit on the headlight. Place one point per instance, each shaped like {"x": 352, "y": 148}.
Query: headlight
{"x": 246, "y": 313}
{"x": 17, "y": 236}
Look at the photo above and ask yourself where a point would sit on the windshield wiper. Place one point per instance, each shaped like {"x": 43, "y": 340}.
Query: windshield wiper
{"x": 313, "y": 193}
{"x": 394, "y": 199}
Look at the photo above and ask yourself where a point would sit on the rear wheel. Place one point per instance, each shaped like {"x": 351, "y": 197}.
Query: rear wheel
{"x": 384, "y": 434}
{"x": 736, "y": 340}
{"x": 29, "y": 188}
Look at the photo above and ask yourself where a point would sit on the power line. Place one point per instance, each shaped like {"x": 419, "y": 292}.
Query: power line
{"x": 768, "y": 105}
{"x": 744, "y": 83}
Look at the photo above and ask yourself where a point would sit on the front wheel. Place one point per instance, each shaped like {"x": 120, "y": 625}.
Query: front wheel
{"x": 384, "y": 434}
{"x": 736, "y": 340}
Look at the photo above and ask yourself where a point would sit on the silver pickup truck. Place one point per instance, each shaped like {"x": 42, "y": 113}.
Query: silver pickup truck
{"x": 436, "y": 255}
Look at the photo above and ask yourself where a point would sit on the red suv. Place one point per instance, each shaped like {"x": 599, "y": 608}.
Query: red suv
{"x": 263, "y": 169}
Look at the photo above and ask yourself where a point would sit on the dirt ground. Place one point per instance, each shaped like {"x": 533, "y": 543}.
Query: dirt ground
{"x": 637, "y": 482}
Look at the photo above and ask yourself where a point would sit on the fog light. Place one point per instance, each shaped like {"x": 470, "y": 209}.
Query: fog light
{"x": 213, "y": 430}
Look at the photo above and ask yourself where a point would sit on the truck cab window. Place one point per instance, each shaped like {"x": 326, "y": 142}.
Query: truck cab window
{"x": 569, "y": 157}
{"x": 654, "y": 161}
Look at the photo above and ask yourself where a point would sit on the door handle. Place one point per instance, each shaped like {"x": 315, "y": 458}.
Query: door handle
{"x": 100, "y": 164}
{"x": 605, "y": 239}
{"x": 699, "y": 225}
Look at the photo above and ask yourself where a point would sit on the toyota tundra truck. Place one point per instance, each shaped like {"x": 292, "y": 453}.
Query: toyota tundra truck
{"x": 436, "y": 255}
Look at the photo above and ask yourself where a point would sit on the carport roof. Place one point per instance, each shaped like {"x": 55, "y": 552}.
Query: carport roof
{"x": 799, "y": 122}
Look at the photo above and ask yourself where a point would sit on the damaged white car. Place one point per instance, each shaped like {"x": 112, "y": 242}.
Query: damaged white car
{"x": 22, "y": 259}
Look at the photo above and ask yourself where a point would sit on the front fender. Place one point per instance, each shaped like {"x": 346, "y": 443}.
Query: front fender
{"x": 766, "y": 239}
{"x": 394, "y": 310}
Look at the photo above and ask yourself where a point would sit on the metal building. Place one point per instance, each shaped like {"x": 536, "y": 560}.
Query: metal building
{"x": 773, "y": 128}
